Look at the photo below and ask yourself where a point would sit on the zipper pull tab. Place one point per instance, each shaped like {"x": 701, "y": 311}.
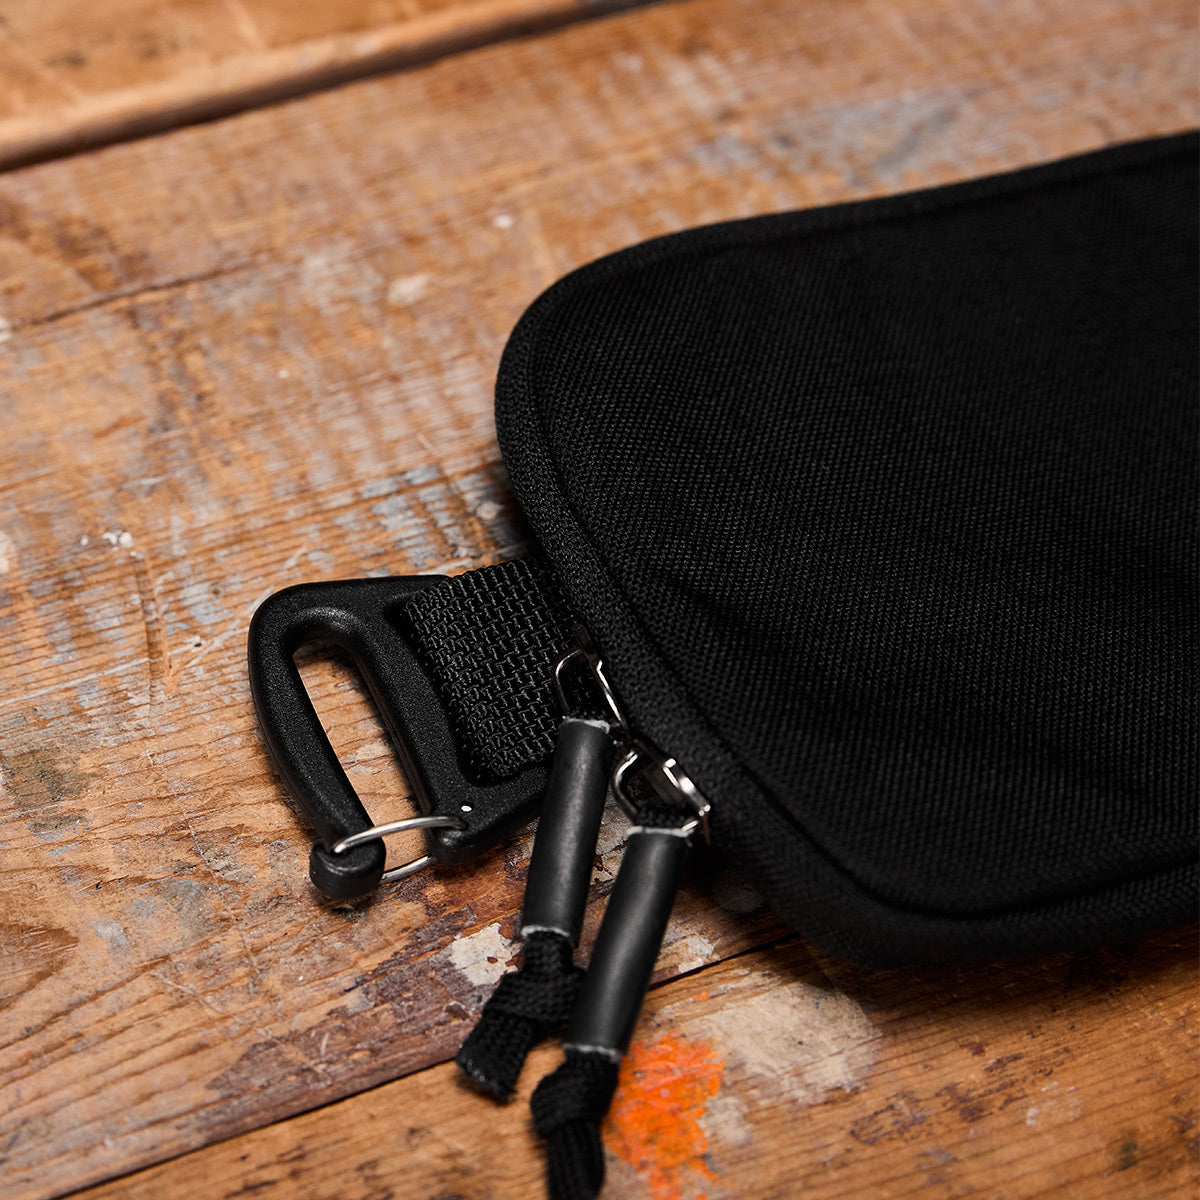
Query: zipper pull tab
{"x": 538, "y": 998}
{"x": 560, "y": 867}
{"x": 569, "y": 1105}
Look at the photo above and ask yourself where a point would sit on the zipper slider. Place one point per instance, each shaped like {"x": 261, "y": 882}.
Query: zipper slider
{"x": 637, "y": 756}
{"x": 668, "y": 779}
{"x": 585, "y": 690}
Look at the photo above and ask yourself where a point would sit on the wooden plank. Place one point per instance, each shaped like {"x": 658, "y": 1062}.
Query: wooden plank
{"x": 260, "y": 351}
{"x": 75, "y": 76}
{"x": 769, "y": 1076}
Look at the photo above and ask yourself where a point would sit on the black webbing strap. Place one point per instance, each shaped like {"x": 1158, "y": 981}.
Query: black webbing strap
{"x": 490, "y": 639}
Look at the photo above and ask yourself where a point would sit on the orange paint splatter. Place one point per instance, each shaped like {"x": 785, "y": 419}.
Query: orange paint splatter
{"x": 654, "y": 1123}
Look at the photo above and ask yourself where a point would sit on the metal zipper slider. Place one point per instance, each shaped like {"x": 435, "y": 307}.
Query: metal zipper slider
{"x": 638, "y": 757}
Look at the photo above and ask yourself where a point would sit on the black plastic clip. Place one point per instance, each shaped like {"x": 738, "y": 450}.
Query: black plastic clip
{"x": 361, "y": 617}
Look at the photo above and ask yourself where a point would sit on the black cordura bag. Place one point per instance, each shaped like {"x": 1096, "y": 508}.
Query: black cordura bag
{"x": 882, "y": 519}
{"x": 884, "y": 516}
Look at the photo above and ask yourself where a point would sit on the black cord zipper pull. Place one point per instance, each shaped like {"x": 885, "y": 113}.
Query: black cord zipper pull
{"x": 603, "y": 1005}
{"x": 538, "y": 998}
{"x": 569, "y": 1105}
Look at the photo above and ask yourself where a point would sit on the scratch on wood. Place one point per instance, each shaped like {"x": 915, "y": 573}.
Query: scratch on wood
{"x": 239, "y": 624}
{"x": 187, "y": 990}
{"x": 245, "y": 24}
{"x": 233, "y": 918}
{"x": 39, "y": 69}
{"x": 122, "y": 668}
{"x": 158, "y": 653}
{"x": 125, "y": 297}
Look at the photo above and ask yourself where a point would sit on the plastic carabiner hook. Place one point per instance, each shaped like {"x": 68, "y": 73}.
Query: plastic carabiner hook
{"x": 463, "y": 817}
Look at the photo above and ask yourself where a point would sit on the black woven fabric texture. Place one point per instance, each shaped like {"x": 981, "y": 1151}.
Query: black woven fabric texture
{"x": 489, "y": 640}
{"x": 568, "y": 1106}
{"x": 885, "y": 519}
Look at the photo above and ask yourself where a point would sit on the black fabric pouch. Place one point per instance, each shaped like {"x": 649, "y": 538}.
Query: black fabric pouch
{"x": 882, "y": 522}
{"x": 883, "y": 517}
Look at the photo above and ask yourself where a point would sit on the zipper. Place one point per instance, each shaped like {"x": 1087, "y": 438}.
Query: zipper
{"x": 666, "y": 809}
{"x": 635, "y": 756}
{"x": 596, "y": 751}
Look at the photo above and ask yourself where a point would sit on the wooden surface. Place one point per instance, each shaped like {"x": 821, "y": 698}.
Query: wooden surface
{"x": 258, "y": 351}
{"x": 75, "y": 75}
{"x": 998, "y": 1081}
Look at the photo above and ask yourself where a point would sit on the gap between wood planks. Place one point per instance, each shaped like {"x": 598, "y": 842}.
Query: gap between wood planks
{"x": 260, "y": 77}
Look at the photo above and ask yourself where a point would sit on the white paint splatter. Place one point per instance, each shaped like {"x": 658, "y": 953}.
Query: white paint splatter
{"x": 85, "y": 540}
{"x": 482, "y": 956}
{"x": 284, "y": 373}
{"x": 489, "y": 510}
{"x": 793, "y": 1039}
{"x": 395, "y": 513}
{"x": 724, "y": 1121}
{"x": 504, "y": 220}
{"x": 1057, "y": 1107}
{"x": 688, "y": 953}
{"x": 336, "y": 273}
{"x": 408, "y": 289}
{"x": 8, "y": 553}
{"x": 118, "y": 537}
{"x": 6, "y": 330}
{"x": 179, "y": 542}
{"x": 113, "y": 932}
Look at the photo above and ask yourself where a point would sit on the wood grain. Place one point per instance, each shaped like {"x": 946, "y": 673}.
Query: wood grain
{"x": 778, "y": 1075}
{"x": 75, "y": 76}
{"x": 260, "y": 351}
